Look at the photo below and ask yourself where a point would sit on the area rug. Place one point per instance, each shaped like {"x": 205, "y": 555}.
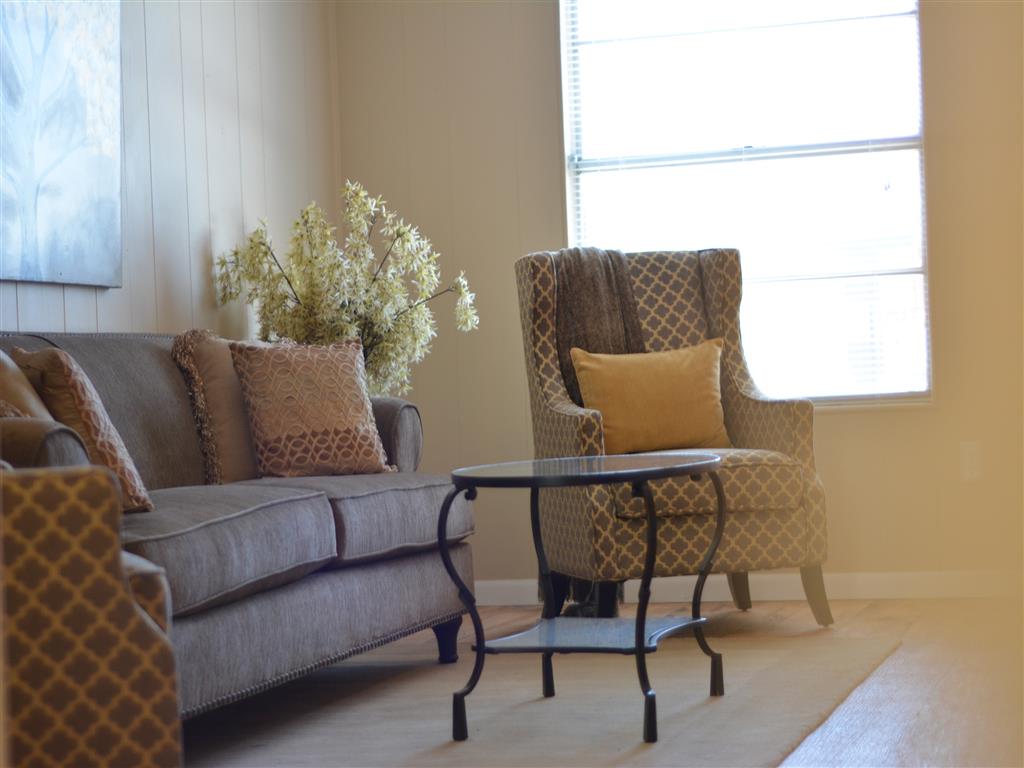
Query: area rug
{"x": 388, "y": 708}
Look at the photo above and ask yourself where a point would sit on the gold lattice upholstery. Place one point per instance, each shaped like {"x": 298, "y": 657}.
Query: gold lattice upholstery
{"x": 90, "y": 673}
{"x": 776, "y": 502}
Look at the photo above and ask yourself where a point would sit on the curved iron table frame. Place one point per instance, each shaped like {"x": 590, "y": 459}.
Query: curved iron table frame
{"x": 640, "y": 489}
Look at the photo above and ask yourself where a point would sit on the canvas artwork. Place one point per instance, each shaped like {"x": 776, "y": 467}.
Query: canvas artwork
{"x": 60, "y": 142}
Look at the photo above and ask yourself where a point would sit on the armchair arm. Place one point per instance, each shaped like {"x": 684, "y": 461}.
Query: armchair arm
{"x": 562, "y": 428}
{"x": 70, "y": 620}
{"x": 756, "y": 421}
{"x": 28, "y": 442}
{"x": 401, "y": 431}
{"x": 149, "y": 588}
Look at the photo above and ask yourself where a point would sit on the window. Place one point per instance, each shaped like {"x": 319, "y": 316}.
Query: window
{"x": 790, "y": 130}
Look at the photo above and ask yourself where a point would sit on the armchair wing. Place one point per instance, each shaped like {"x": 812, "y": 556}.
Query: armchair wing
{"x": 752, "y": 419}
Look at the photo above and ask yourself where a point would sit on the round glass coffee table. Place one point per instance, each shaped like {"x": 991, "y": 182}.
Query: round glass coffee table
{"x": 559, "y": 634}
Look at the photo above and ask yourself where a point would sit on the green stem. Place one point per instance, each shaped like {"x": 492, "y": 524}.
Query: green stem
{"x": 381, "y": 265}
{"x": 411, "y": 307}
{"x": 284, "y": 274}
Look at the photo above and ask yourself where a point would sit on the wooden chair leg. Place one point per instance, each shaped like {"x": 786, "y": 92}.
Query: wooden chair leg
{"x": 447, "y": 635}
{"x": 739, "y": 588}
{"x": 560, "y": 591}
{"x": 608, "y": 599}
{"x": 814, "y": 588}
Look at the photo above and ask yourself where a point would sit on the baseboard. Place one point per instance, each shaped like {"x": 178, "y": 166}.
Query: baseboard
{"x": 783, "y": 585}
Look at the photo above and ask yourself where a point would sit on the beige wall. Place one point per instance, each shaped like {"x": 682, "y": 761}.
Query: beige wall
{"x": 451, "y": 110}
{"x": 226, "y": 118}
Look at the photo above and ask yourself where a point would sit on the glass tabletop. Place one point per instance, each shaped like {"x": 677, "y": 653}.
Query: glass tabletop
{"x": 585, "y": 470}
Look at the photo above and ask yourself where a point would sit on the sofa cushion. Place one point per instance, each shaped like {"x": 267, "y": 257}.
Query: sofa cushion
{"x": 383, "y": 515}
{"x": 218, "y": 543}
{"x": 754, "y": 481}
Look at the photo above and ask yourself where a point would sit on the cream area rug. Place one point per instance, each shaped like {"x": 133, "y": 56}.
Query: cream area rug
{"x": 392, "y": 707}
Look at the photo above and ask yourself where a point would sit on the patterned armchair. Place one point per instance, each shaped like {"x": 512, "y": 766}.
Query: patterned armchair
{"x": 776, "y": 503}
{"x": 88, "y": 666}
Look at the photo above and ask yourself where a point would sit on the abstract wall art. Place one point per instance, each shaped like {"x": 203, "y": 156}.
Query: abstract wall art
{"x": 60, "y": 142}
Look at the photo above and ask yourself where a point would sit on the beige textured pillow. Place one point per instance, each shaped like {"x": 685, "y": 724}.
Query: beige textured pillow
{"x": 217, "y": 405}
{"x": 656, "y": 400}
{"x": 309, "y": 409}
{"x": 16, "y": 389}
{"x": 73, "y": 401}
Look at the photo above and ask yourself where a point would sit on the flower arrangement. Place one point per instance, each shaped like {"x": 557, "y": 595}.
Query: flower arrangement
{"x": 322, "y": 293}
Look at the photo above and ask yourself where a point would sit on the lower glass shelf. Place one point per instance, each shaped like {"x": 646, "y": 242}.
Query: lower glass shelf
{"x": 585, "y": 635}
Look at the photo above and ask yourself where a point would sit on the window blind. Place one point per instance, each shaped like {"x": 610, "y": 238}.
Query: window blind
{"x": 790, "y": 130}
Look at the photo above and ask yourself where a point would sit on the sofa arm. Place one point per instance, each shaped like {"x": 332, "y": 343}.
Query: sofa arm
{"x": 27, "y": 442}
{"x": 71, "y": 623}
{"x": 401, "y": 431}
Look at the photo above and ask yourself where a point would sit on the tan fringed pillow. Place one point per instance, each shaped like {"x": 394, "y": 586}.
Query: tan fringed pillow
{"x": 217, "y": 405}
{"x": 655, "y": 401}
{"x": 73, "y": 401}
{"x": 309, "y": 409}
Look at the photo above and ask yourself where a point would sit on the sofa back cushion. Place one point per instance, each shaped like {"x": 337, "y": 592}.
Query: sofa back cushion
{"x": 144, "y": 394}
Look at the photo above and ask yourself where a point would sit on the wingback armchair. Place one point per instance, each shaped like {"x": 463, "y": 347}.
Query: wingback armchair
{"x": 776, "y": 503}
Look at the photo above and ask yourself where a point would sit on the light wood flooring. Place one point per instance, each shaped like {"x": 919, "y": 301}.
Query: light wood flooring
{"x": 950, "y": 695}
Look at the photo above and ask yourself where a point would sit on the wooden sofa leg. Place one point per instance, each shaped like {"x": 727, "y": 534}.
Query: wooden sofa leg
{"x": 447, "y": 640}
{"x": 814, "y": 588}
{"x": 739, "y": 588}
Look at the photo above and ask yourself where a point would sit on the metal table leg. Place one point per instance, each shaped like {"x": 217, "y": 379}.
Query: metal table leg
{"x": 717, "y": 675}
{"x": 650, "y": 702}
{"x": 550, "y": 609}
{"x": 460, "y": 731}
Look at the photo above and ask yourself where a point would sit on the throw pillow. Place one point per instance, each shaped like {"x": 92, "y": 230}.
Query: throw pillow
{"x": 217, "y": 405}
{"x": 73, "y": 401}
{"x": 10, "y": 411}
{"x": 17, "y": 390}
{"x": 309, "y": 409}
{"x": 655, "y": 401}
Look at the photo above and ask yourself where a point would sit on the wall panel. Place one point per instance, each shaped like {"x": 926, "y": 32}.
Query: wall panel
{"x": 194, "y": 158}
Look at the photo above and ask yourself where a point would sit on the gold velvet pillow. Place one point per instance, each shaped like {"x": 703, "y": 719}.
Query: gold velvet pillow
{"x": 73, "y": 401}
{"x": 217, "y": 405}
{"x": 17, "y": 390}
{"x": 656, "y": 401}
{"x": 309, "y": 410}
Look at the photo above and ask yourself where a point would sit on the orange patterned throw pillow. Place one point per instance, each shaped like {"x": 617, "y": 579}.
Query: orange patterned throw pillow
{"x": 10, "y": 411}
{"x": 309, "y": 409}
{"x": 73, "y": 401}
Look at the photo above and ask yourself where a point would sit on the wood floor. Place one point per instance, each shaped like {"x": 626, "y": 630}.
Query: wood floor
{"x": 951, "y": 695}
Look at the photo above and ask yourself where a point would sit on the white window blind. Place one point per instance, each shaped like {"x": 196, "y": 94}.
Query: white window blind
{"x": 790, "y": 130}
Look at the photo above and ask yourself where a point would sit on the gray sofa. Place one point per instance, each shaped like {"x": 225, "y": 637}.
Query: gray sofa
{"x": 268, "y": 578}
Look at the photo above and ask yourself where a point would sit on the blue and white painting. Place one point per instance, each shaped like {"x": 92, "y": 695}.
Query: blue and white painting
{"x": 60, "y": 142}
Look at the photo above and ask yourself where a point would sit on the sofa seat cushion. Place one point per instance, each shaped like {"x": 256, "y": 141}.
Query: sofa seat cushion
{"x": 753, "y": 480}
{"x": 218, "y": 543}
{"x": 383, "y": 515}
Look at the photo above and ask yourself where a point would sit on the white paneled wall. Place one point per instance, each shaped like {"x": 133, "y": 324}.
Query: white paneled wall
{"x": 226, "y": 120}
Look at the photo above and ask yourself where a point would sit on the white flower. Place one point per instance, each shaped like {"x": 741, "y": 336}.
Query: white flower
{"x": 322, "y": 293}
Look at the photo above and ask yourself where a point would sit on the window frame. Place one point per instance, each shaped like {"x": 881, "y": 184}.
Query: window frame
{"x": 576, "y": 165}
